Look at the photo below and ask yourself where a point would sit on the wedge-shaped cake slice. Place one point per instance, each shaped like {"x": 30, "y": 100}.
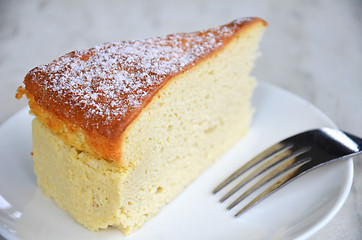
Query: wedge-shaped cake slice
{"x": 124, "y": 127}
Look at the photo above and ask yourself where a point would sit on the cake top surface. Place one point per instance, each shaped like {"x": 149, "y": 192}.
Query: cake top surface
{"x": 103, "y": 88}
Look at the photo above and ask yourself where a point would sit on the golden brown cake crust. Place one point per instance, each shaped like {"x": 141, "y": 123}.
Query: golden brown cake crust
{"x": 100, "y": 91}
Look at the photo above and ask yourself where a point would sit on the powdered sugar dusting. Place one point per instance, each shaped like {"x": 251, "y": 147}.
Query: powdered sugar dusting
{"x": 105, "y": 84}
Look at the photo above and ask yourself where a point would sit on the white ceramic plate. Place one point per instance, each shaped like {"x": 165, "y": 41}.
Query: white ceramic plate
{"x": 297, "y": 211}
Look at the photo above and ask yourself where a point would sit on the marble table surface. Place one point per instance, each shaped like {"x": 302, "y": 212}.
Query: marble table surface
{"x": 312, "y": 48}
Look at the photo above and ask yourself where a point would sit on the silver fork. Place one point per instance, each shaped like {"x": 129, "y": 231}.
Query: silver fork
{"x": 289, "y": 159}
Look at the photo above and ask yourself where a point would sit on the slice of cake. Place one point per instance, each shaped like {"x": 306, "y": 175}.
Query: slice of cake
{"x": 124, "y": 127}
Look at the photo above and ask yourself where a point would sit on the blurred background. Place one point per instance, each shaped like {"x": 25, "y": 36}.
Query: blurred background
{"x": 312, "y": 48}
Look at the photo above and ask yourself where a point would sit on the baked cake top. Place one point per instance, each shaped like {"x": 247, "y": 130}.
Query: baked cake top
{"x": 103, "y": 89}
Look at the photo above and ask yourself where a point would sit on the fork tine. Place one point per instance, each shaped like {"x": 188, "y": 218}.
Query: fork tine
{"x": 270, "y": 162}
{"x": 267, "y": 154}
{"x": 287, "y": 166}
{"x": 274, "y": 187}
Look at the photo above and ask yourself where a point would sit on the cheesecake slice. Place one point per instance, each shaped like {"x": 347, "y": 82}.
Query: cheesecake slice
{"x": 122, "y": 128}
